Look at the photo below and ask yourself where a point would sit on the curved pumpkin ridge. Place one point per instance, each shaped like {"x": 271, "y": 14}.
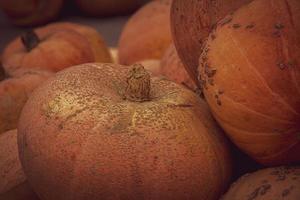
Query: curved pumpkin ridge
{"x": 259, "y": 75}
{"x": 274, "y": 140}
{"x": 269, "y": 119}
{"x": 256, "y": 112}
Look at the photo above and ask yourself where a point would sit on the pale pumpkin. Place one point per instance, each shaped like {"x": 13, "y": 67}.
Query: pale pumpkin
{"x": 31, "y": 12}
{"x": 13, "y": 184}
{"x": 280, "y": 183}
{"x": 105, "y": 131}
{"x": 153, "y": 66}
{"x": 147, "y": 34}
{"x": 55, "y": 47}
{"x": 250, "y": 74}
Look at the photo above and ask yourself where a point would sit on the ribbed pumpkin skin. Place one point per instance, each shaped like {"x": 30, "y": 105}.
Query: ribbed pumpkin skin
{"x": 13, "y": 184}
{"x": 79, "y": 139}
{"x": 14, "y": 93}
{"x": 31, "y": 12}
{"x": 62, "y": 45}
{"x": 172, "y": 67}
{"x": 147, "y": 34}
{"x": 191, "y": 23}
{"x": 250, "y": 72}
{"x": 267, "y": 184}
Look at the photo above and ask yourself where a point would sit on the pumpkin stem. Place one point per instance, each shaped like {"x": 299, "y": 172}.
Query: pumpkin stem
{"x": 138, "y": 84}
{"x": 30, "y": 40}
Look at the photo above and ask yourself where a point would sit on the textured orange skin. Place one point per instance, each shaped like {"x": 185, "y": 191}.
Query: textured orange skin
{"x": 13, "y": 184}
{"x": 14, "y": 93}
{"x": 31, "y": 12}
{"x": 147, "y": 34}
{"x": 267, "y": 184}
{"x": 191, "y": 23}
{"x": 108, "y": 8}
{"x": 63, "y": 45}
{"x": 79, "y": 139}
{"x": 260, "y": 102}
{"x": 172, "y": 68}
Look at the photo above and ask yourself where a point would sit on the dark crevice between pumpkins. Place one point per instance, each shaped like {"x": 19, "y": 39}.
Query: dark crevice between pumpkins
{"x": 2, "y": 73}
{"x": 137, "y": 84}
{"x": 30, "y": 40}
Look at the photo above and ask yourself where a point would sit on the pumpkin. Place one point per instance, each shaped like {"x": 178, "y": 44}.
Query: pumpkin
{"x": 191, "y": 23}
{"x": 14, "y": 93}
{"x": 13, "y": 184}
{"x": 31, "y": 12}
{"x": 147, "y": 34}
{"x": 152, "y": 66}
{"x": 114, "y": 54}
{"x": 172, "y": 68}
{"x": 55, "y": 47}
{"x": 250, "y": 74}
{"x": 108, "y": 8}
{"x": 267, "y": 184}
{"x": 107, "y": 131}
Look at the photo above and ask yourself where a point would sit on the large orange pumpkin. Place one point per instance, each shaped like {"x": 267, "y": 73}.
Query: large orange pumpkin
{"x": 14, "y": 93}
{"x": 31, "y": 12}
{"x": 147, "y": 33}
{"x": 282, "y": 183}
{"x": 55, "y": 47}
{"x": 191, "y": 23}
{"x": 104, "y": 131}
{"x": 108, "y": 8}
{"x": 13, "y": 184}
{"x": 172, "y": 67}
{"x": 250, "y": 72}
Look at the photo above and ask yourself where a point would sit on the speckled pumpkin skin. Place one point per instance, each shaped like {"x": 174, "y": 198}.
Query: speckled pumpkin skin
{"x": 280, "y": 183}
{"x": 80, "y": 139}
{"x": 250, "y": 73}
{"x": 13, "y": 184}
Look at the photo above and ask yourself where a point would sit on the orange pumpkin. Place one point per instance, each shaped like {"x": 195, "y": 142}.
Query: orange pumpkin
{"x": 191, "y": 23}
{"x": 108, "y": 8}
{"x": 105, "y": 131}
{"x": 250, "y": 73}
{"x": 267, "y": 184}
{"x": 13, "y": 184}
{"x": 14, "y": 93}
{"x": 147, "y": 34}
{"x": 172, "y": 67}
{"x": 31, "y": 12}
{"x": 55, "y": 47}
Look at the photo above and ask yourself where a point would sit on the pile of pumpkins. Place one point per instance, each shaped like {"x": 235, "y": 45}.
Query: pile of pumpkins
{"x": 160, "y": 116}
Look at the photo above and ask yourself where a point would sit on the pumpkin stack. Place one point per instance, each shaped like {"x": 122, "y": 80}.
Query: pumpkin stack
{"x": 27, "y": 62}
{"x": 134, "y": 127}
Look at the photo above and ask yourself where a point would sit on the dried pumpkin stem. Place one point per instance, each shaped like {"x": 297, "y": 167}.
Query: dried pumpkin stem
{"x": 138, "y": 84}
{"x": 30, "y": 40}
